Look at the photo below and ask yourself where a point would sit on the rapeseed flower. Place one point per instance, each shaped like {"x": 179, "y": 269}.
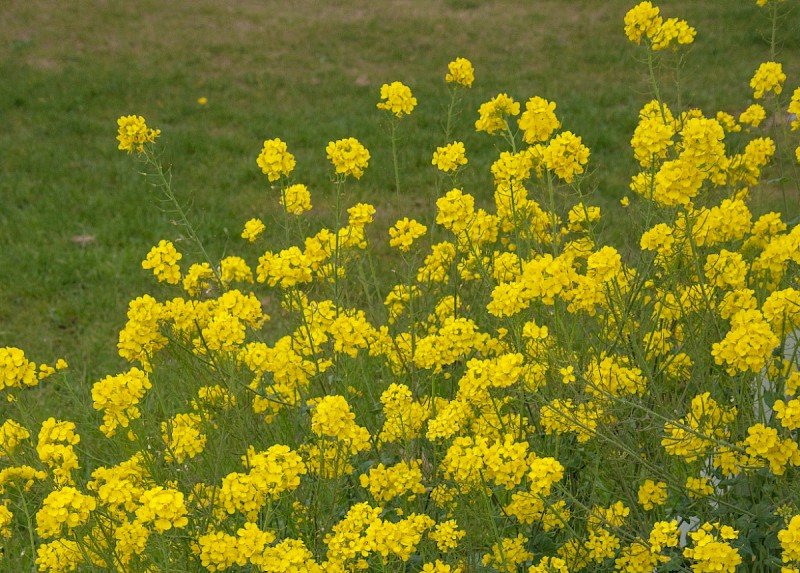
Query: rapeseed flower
{"x": 460, "y": 72}
{"x": 275, "y": 160}
{"x": 133, "y": 133}
{"x": 163, "y": 260}
{"x": 162, "y": 507}
{"x": 63, "y": 508}
{"x": 348, "y": 156}
{"x": 566, "y": 156}
{"x": 710, "y": 551}
{"x": 642, "y": 20}
{"x": 769, "y": 77}
{"x": 753, "y": 115}
{"x": 296, "y": 199}
{"x": 538, "y": 121}
{"x": 652, "y": 494}
{"x": 253, "y": 229}
{"x": 790, "y": 540}
{"x": 493, "y": 113}
{"x": 397, "y": 99}
{"x": 794, "y": 109}
{"x": 450, "y": 157}
{"x": 403, "y": 233}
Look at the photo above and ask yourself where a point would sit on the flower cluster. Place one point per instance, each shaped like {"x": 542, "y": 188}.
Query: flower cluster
{"x": 460, "y": 72}
{"x": 275, "y": 160}
{"x": 397, "y": 99}
{"x": 163, "y": 260}
{"x": 133, "y": 133}
{"x": 450, "y": 157}
{"x": 644, "y": 22}
{"x": 513, "y": 394}
{"x": 348, "y": 156}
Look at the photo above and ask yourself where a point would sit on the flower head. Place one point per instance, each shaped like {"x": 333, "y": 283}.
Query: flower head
{"x": 493, "y": 113}
{"x": 275, "y": 160}
{"x": 296, "y": 199}
{"x": 538, "y": 121}
{"x": 348, "y": 156}
{"x": 450, "y": 157}
{"x": 769, "y": 77}
{"x": 397, "y": 99}
{"x": 461, "y": 72}
{"x": 404, "y": 232}
{"x": 252, "y": 229}
{"x": 133, "y": 133}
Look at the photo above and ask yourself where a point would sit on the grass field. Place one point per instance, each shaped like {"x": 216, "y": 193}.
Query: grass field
{"x": 540, "y": 392}
{"x": 76, "y": 220}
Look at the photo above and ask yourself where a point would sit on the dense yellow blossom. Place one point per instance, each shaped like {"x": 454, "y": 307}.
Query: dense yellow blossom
{"x": 450, "y": 157}
{"x": 403, "y": 233}
{"x": 538, "y": 121}
{"x": 275, "y": 160}
{"x": 710, "y": 551}
{"x": 397, "y": 99}
{"x": 493, "y": 113}
{"x": 460, "y": 72}
{"x": 348, "y": 156}
{"x": 253, "y": 229}
{"x": 163, "y": 260}
{"x": 133, "y": 133}
{"x": 296, "y": 199}
{"x": 769, "y": 77}
{"x": 652, "y": 494}
{"x": 566, "y": 156}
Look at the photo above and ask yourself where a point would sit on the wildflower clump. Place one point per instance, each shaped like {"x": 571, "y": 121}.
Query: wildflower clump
{"x": 488, "y": 385}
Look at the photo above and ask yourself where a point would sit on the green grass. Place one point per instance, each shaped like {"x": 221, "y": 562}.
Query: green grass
{"x": 76, "y": 220}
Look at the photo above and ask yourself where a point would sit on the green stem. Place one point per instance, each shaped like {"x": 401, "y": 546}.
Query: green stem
{"x": 394, "y": 160}
{"x": 164, "y": 181}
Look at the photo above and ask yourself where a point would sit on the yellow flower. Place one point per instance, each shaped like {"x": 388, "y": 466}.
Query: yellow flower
{"x": 710, "y": 552}
{"x": 794, "y": 109}
{"x": 404, "y": 232}
{"x": 493, "y": 113}
{"x": 63, "y": 507}
{"x": 769, "y": 77}
{"x": 252, "y": 229}
{"x": 642, "y": 20}
{"x": 447, "y": 535}
{"x": 753, "y": 115}
{"x": 397, "y": 99}
{"x": 566, "y": 156}
{"x": 652, "y": 494}
{"x": 163, "y": 507}
{"x": 460, "y": 72}
{"x": 163, "y": 260}
{"x": 450, "y": 157}
{"x": 133, "y": 133}
{"x": 538, "y": 121}
{"x": 790, "y": 540}
{"x": 296, "y": 199}
{"x": 275, "y": 160}
{"x": 348, "y": 156}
